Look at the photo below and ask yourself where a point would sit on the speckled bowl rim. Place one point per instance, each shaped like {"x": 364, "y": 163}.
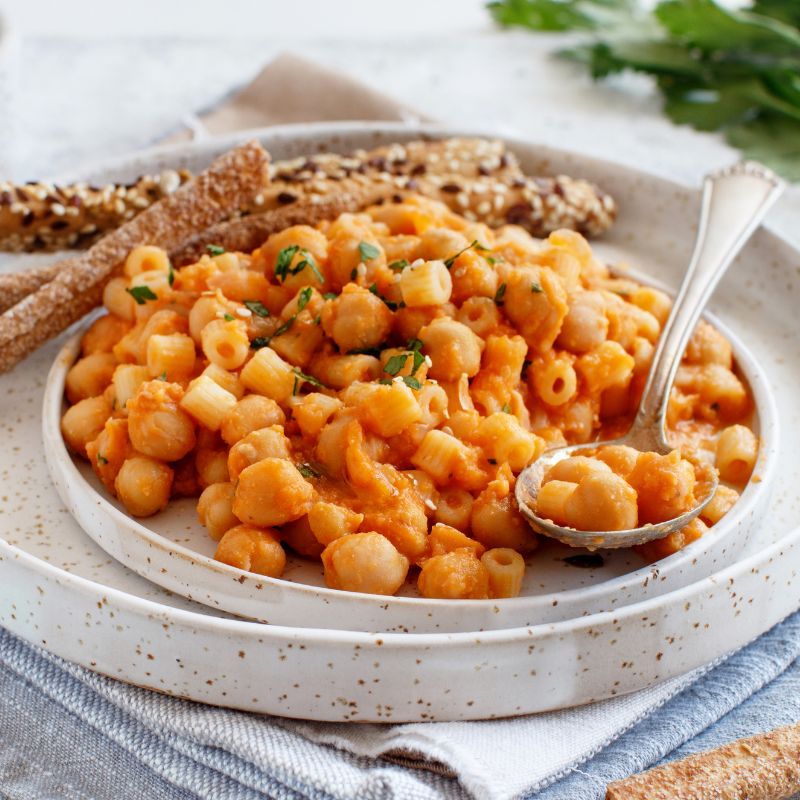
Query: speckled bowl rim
{"x": 766, "y": 403}
{"x": 279, "y": 633}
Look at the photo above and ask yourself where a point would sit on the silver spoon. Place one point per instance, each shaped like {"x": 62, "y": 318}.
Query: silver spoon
{"x": 735, "y": 200}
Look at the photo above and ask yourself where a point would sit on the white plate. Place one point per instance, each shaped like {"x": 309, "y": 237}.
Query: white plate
{"x": 61, "y": 591}
{"x": 174, "y": 551}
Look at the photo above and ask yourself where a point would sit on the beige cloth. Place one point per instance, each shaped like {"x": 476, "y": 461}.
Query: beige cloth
{"x": 293, "y": 89}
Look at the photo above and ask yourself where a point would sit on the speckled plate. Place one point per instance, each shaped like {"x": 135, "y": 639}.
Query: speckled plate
{"x": 58, "y": 589}
{"x": 654, "y": 234}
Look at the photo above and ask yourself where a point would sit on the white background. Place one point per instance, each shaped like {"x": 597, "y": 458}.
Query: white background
{"x": 101, "y": 78}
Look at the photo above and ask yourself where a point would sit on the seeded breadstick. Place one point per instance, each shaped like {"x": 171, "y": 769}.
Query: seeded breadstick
{"x": 478, "y": 178}
{"x": 231, "y": 182}
{"x": 247, "y": 233}
{"x": 762, "y": 767}
{"x": 45, "y": 217}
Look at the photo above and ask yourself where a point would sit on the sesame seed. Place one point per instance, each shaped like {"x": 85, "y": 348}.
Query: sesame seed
{"x": 246, "y": 313}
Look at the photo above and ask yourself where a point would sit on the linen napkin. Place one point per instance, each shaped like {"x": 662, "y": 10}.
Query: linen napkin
{"x": 121, "y": 741}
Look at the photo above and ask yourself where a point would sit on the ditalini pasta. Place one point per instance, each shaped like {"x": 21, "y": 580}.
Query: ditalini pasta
{"x": 365, "y": 392}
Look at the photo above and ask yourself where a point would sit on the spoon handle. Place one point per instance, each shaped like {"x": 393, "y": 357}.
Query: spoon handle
{"x": 735, "y": 201}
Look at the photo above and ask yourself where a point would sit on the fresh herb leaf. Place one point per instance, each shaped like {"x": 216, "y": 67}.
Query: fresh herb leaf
{"x": 295, "y": 386}
{"x": 229, "y": 317}
{"x": 452, "y": 260}
{"x": 257, "y": 307}
{"x": 419, "y": 360}
{"x": 308, "y": 378}
{"x": 162, "y": 376}
{"x": 389, "y": 303}
{"x": 395, "y": 364}
{"x": 283, "y": 328}
{"x": 330, "y": 296}
{"x": 494, "y": 259}
{"x": 415, "y": 344}
{"x": 585, "y": 560}
{"x": 500, "y": 294}
{"x": 398, "y": 266}
{"x": 385, "y": 381}
{"x": 719, "y": 68}
{"x": 259, "y": 342}
{"x": 506, "y": 409}
{"x": 101, "y": 459}
{"x": 284, "y": 261}
{"x": 368, "y": 251}
{"x": 304, "y": 297}
{"x": 308, "y": 472}
{"x": 141, "y": 294}
{"x": 536, "y": 288}
{"x": 308, "y": 261}
{"x": 170, "y": 275}
{"x": 215, "y": 249}
{"x": 353, "y": 274}
{"x": 412, "y": 382}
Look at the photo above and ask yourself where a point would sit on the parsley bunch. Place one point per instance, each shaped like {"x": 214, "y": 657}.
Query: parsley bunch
{"x": 732, "y": 70}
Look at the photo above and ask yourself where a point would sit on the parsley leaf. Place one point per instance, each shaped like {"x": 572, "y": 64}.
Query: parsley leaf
{"x": 452, "y": 260}
{"x": 330, "y": 296}
{"x": 506, "y": 409}
{"x": 305, "y": 296}
{"x": 414, "y": 344}
{"x": 307, "y": 471}
{"x": 395, "y": 364}
{"x": 353, "y": 274}
{"x": 398, "y": 266}
{"x": 718, "y": 67}
{"x": 259, "y": 342}
{"x": 308, "y": 261}
{"x": 536, "y": 288}
{"x": 141, "y": 294}
{"x": 171, "y": 275}
{"x": 500, "y": 294}
{"x": 308, "y": 378}
{"x": 412, "y": 382}
{"x": 101, "y": 459}
{"x": 390, "y": 304}
{"x": 284, "y": 261}
{"x": 229, "y": 317}
{"x": 257, "y": 307}
{"x": 215, "y": 249}
{"x": 368, "y": 251}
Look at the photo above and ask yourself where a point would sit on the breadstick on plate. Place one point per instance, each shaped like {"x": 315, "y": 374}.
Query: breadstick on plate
{"x": 231, "y": 182}
{"x": 15, "y": 286}
{"x": 476, "y": 177}
{"x": 762, "y": 767}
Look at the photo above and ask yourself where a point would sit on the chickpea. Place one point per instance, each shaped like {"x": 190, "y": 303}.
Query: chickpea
{"x": 251, "y": 413}
{"x": 364, "y": 562}
{"x": 104, "y": 333}
{"x": 272, "y": 492}
{"x": 157, "y": 425}
{"x": 84, "y": 421}
{"x": 89, "y": 376}
{"x": 215, "y": 509}
{"x": 454, "y": 576}
{"x": 252, "y": 550}
{"x": 453, "y": 348}
{"x": 356, "y": 319}
{"x": 144, "y": 485}
{"x": 265, "y": 443}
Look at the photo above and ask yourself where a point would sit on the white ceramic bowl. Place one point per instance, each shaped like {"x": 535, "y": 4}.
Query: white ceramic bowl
{"x": 173, "y": 550}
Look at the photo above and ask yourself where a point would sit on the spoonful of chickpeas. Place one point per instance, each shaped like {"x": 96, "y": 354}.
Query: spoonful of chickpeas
{"x": 637, "y": 488}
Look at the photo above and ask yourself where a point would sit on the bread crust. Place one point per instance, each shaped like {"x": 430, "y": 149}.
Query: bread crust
{"x": 762, "y": 767}
{"x": 231, "y": 182}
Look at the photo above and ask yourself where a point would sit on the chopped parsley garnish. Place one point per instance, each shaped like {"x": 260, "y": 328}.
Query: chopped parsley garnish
{"x": 398, "y": 266}
{"x": 283, "y": 328}
{"x": 163, "y": 376}
{"x": 494, "y": 259}
{"x": 414, "y": 344}
{"x": 392, "y": 306}
{"x": 215, "y": 249}
{"x": 452, "y": 260}
{"x": 259, "y": 342}
{"x": 500, "y": 294}
{"x": 307, "y": 471}
{"x": 284, "y": 268}
{"x": 385, "y": 381}
{"x": 305, "y": 296}
{"x": 141, "y": 294}
{"x": 395, "y": 364}
{"x": 308, "y": 378}
{"x": 101, "y": 459}
{"x": 535, "y": 288}
{"x": 353, "y": 274}
{"x": 257, "y": 307}
{"x": 229, "y": 317}
{"x": 330, "y": 296}
{"x": 368, "y": 251}
{"x": 171, "y": 275}
{"x": 284, "y": 261}
{"x": 506, "y": 409}
{"x": 412, "y": 382}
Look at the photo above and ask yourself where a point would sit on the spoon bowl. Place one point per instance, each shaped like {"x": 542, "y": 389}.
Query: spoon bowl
{"x": 735, "y": 200}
